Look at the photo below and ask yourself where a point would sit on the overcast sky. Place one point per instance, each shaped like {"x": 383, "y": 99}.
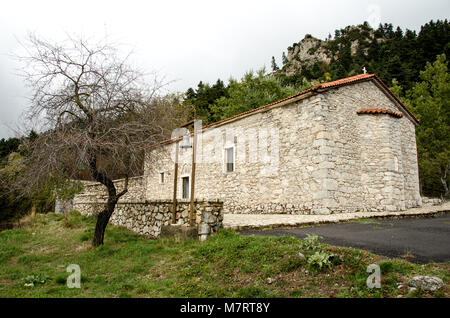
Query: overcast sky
{"x": 189, "y": 41}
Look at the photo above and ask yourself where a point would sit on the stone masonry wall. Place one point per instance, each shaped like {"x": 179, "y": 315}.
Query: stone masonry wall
{"x": 258, "y": 184}
{"x": 329, "y": 158}
{"x": 94, "y": 191}
{"x": 147, "y": 217}
{"x": 374, "y": 156}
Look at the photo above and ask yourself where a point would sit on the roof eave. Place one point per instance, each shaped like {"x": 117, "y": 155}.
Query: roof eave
{"x": 380, "y": 84}
{"x": 395, "y": 99}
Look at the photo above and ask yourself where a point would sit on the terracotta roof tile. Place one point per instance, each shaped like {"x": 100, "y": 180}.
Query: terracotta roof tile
{"x": 346, "y": 80}
{"x": 313, "y": 89}
{"x": 380, "y": 111}
{"x": 317, "y": 88}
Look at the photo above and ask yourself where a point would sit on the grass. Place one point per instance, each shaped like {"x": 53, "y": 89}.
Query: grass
{"x": 226, "y": 265}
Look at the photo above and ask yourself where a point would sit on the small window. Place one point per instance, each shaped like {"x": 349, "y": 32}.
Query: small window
{"x": 185, "y": 183}
{"x": 161, "y": 177}
{"x": 229, "y": 159}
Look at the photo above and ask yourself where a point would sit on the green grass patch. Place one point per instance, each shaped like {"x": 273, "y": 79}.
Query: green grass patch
{"x": 34, "y": 260}
{"x": 396, "y": 266}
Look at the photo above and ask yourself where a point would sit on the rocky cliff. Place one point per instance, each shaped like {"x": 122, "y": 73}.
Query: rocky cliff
{"x": 312, "y": 52}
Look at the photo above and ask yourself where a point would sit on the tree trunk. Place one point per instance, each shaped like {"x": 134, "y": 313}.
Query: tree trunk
{"x": 113, "y": 197}
{"x": 102, "y": 222}
{"x": 104, "y": 216}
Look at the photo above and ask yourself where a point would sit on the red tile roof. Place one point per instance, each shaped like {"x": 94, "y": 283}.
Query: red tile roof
{"x": 315, "y": 89}
{"x": 380, "y": 111}
{"x": 346, "y": 80}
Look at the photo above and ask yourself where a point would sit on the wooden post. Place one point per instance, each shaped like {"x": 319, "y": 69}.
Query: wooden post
{"x": 191, "y": 207}
{"x": 175, "y": 179}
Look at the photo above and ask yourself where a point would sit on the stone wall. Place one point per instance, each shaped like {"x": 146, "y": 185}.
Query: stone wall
{"x": 329, "y": 159}
{"x": 283, "y": 185}
{"x": 62, "y": 206}
{"x": 373, "y": 156}
{"x": 147, "y": 217}
{"x": 431, "y": 201}
{"x": 94, "y": 191}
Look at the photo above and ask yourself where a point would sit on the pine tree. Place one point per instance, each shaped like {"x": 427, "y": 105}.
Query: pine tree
{"x": 274, "y": 65}
{"x": 284, "y": 59}
{"x": 430, "y": 100}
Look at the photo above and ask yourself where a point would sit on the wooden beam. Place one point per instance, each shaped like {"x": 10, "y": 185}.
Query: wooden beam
{"x": 175, "y": 179}
{"x": 191, "y": 207}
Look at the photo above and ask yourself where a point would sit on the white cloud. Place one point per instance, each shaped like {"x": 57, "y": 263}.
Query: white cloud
{"x": 190, "y": 40}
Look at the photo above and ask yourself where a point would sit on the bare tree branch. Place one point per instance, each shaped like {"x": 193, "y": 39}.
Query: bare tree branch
{"x": 94, "y": 109}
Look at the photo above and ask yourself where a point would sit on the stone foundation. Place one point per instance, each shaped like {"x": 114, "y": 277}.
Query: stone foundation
{"x": 147, "y": 217}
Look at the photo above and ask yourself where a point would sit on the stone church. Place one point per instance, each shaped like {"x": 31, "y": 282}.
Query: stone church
{"x": 342, "y": 146}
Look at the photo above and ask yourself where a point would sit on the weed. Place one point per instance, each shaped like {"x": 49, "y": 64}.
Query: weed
{"x": 34, "y": 279}
{"x": 311, "y": 243}
{"x": 319, "y": 260}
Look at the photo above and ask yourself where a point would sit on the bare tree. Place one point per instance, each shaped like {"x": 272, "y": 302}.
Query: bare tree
{"x": 92, "y": 106}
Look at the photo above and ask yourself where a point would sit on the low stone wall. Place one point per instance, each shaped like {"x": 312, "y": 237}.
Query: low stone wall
{"x": 95, "y": 191}
{"x": 431, "y": 201}
{"x": 147, "y": 217}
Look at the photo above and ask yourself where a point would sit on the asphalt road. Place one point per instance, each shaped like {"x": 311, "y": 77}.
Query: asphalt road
{"x": 428, "y": 239}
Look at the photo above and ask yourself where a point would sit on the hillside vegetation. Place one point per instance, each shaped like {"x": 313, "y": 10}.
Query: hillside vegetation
{"x": 389, "y": 52}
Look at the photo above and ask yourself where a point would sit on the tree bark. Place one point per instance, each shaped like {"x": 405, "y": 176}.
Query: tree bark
{"x": 104, "y": 216}
{"x": 102, "y": 222}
